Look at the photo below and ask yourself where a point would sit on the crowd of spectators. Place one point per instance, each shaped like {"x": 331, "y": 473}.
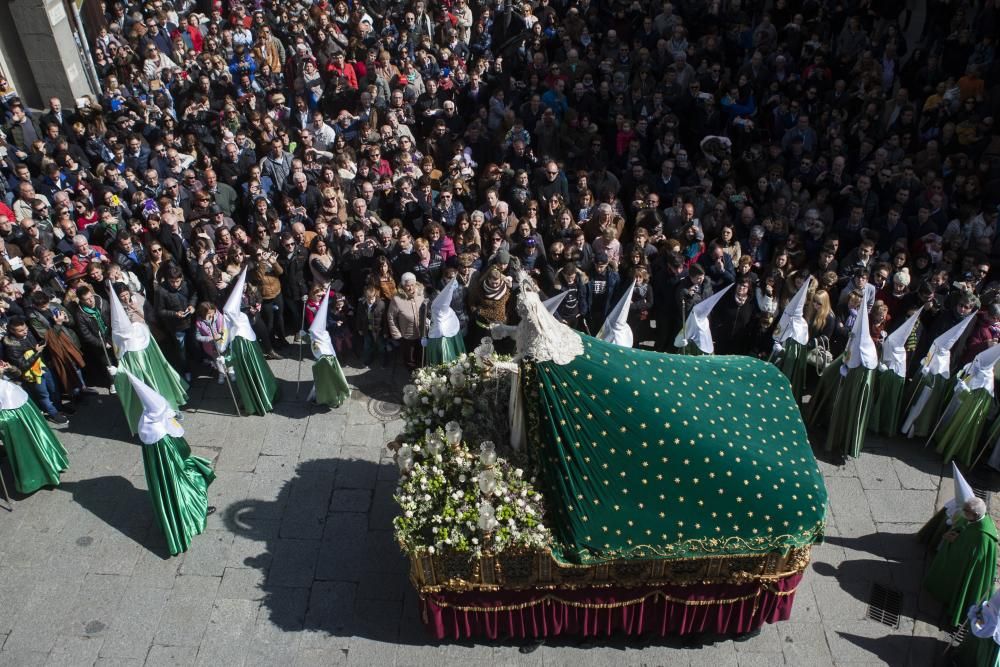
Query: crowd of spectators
{"x": 378, "y": 149}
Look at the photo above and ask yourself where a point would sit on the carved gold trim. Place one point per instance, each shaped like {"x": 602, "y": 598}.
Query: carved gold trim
{"x": 538, "y": 570}
{"x": 655, "y": 596}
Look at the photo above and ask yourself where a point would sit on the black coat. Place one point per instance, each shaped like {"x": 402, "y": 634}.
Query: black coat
{"x": 732, "y": 324}
{"x": 86, "y": 325}
{"x": 295, "y": 266}
{"x": 167, "y": 302}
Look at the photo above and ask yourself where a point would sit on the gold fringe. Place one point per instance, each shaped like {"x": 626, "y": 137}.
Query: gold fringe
{"x": 654, "y": 595}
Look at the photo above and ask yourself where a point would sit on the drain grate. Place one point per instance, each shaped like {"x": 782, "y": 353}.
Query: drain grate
{"x": 958, "y": 634}
{"x": 983, "y": 494}
{"x": 884, "y": 605}
{"x": 384, "y": 410}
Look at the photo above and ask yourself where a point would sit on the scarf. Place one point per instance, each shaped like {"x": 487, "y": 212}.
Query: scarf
{"x": 495, "y": 293}
{"x": 96, "y": 314}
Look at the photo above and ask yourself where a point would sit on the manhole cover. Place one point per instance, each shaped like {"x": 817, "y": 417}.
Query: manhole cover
{"x": 384, "y": 410}
{"x": 884, "y": 605}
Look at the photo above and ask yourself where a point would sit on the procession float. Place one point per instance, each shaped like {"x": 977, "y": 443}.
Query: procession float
{"x": 583, "y": 488}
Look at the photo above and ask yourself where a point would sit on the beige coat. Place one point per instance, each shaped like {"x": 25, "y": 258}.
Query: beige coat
{"x": 407, "y": 317}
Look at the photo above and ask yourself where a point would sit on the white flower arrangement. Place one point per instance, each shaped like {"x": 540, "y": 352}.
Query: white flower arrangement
{"x": 452, "y": 499}
{"x": 462, "y": 391}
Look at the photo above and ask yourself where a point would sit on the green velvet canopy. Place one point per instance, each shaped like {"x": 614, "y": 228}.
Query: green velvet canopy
{"x": 655, "y": 456}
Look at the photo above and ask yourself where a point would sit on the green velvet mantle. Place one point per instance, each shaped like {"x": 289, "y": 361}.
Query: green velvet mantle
{"x": 647, "y": 455}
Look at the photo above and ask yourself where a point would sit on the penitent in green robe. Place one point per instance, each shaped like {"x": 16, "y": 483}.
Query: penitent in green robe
{"x": 150, "y": 366}
{"x": 963, "y": 571}
{"x": 36, "y": 456}
{"x": 178, "y": 486}
{"x": 331, "y": 385}
{"x": 255, "y": 382}
{"x": 649, "y": 456}
{"x": 794, "y": 365}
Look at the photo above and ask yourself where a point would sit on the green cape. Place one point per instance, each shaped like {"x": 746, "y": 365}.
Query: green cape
{"x": 794, "y": 365}
{"x": 151, "y": 367}
{"x": 962, "y": 572}
{"x": 888, "y": 403}
{"x": 938, "y": 388}
{"x": 36, "y": 456}
{"x": 960, "y": 437}
{"x": 255, "y": 383}
{"x": 850, "y": 410}
{"x": 816, "y": 412}
{"x": 331, "y": 385}
{"x": 178, "y": 486}
{"x": 648, "y": 455}
{"x": 445, "y": 349}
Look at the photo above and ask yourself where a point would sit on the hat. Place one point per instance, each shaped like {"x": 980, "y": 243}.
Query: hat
{"x": 75, "y": 274}
{"x": 502, "y": 257}
{"x": 407, "y": 278}
{"x": 214, "y": 209}
{"x": 530, "y": 242}
{"x": 601, "y": 258}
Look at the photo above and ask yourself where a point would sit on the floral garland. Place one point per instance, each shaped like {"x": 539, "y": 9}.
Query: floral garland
{"x": 450, "y": 498}
{"x": 465, "y": 390}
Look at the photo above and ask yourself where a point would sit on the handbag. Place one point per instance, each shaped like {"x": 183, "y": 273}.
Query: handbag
{"x": 819, "y": 355}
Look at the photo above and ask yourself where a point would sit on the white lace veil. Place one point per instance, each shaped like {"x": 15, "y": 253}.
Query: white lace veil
{"x": 540, "y": 336}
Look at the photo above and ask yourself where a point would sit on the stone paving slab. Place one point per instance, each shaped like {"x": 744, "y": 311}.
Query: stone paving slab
{"x": 298, "y": 565}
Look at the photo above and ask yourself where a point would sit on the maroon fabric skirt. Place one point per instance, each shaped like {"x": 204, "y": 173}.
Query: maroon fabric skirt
{"x": 725, "y": 609}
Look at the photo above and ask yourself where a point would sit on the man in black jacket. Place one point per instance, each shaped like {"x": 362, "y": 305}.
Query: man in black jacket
{"x": 174, "y": 301}
{"x": 293, "y": 259}
{"x": 23, "y": 351}
{"x": 93, "y": 325}
{"x": 666, "y": 312}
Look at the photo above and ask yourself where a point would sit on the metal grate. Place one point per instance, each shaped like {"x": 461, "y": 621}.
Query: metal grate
{"x": 384, "y": 410}
{"x": 958, "y": 634}
{"x": 983, "y": 494}
{"x": 884, "y": 605}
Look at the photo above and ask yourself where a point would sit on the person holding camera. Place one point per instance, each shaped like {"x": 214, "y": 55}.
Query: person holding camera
{"x": 267, "y": 277}
{"x": 174, "y": 300}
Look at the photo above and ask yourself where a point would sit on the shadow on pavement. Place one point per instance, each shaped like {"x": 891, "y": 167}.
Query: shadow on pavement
{"x": 900, "y": 650}
{"x": 329, "y": 562}
{"x": 116, "y": 502}
{"x": 327, "y": 554}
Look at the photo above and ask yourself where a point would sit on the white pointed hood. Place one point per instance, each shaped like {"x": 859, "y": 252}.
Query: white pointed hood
{"x": 552, "y": 305}
{"x": 696, "y": 327}
{"x": 236, "y": 320}
{"x": 126, "y": 335}
{"x": 861, "y": 350}
{"x": 793, "y": 323}
{"x": 894, "y": 345}
{"x": 158, "y": 418}
{"x": 444, "y": 321}
{"x": 12, "y": 396}
{"x": 938, "y": 359}
{"x": 963, "y": 494}
{"x": 322, "y": 346}
{"x": 979, "y": 372}
{"x": 616, "y": 329}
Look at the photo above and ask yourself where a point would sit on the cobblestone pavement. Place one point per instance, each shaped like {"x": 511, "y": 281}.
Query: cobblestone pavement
{"x": 298, "y": 565}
